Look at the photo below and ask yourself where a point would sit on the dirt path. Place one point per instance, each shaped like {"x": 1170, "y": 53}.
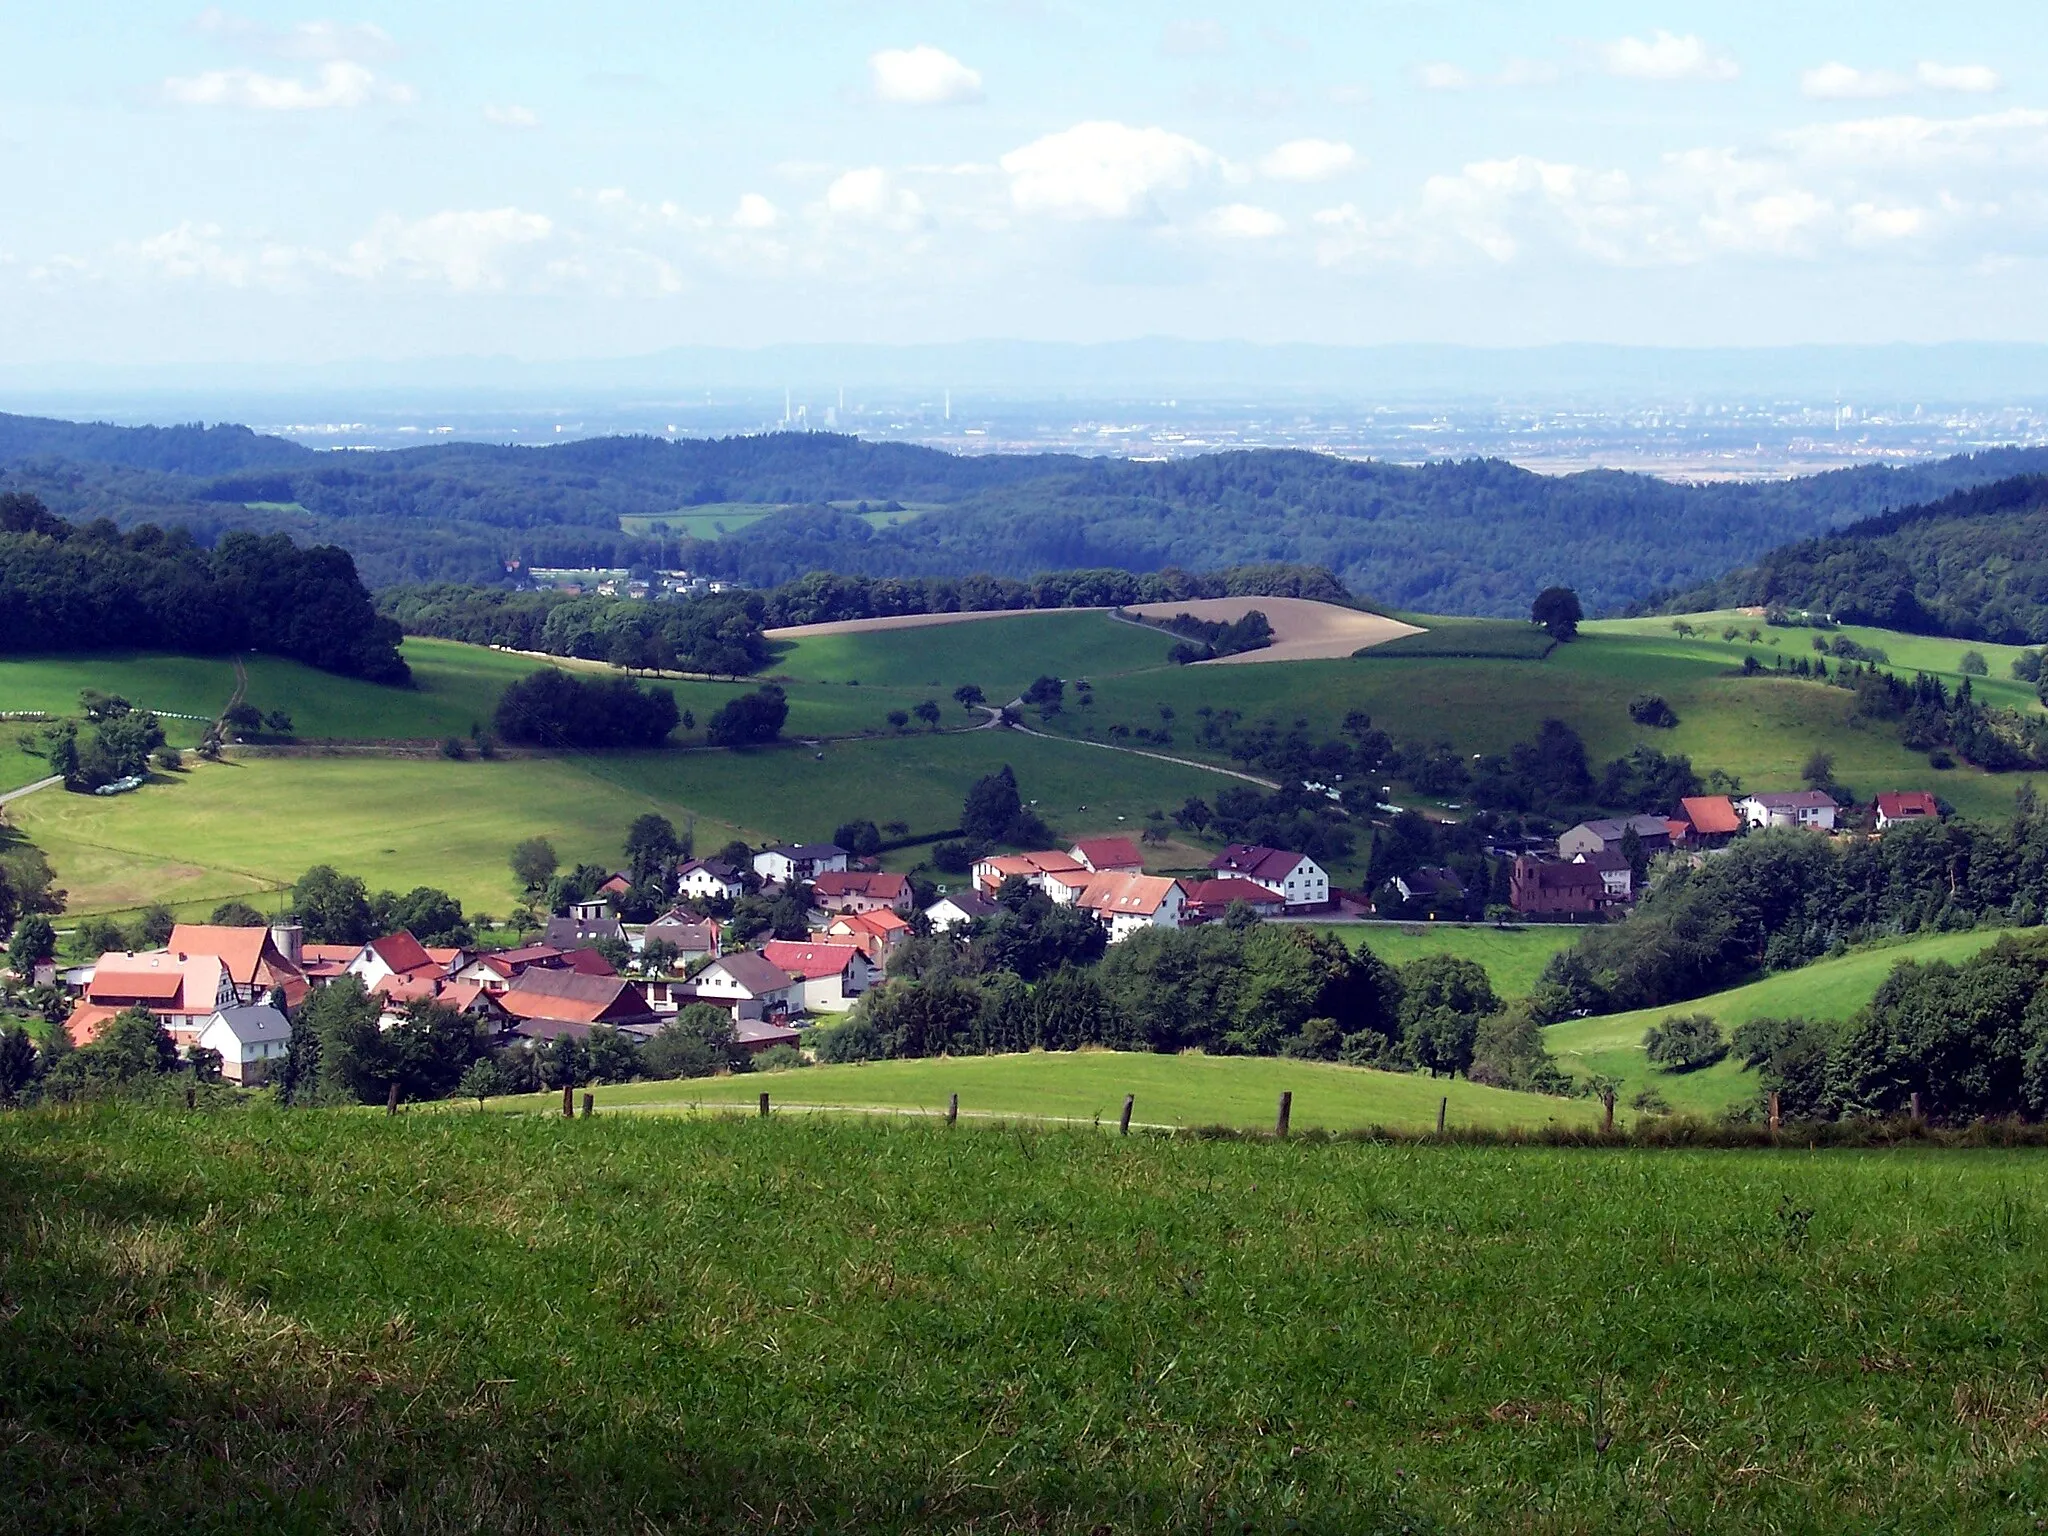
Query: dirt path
{"x": 29, "y": 789}
{"x": 996, "y": 719}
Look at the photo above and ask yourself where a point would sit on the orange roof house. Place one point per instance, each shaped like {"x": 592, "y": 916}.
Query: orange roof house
{"x": 1109, "y": 856}
{"x": 253, "y": 961}
{"x": 572, "y": 997}
{"x": 876, "y": 933}
{"x": 181, "y": 990}
{"x": 1709, "y": 816}
{"x": 1905, "y": 805}
{"x": 856, "y": 890}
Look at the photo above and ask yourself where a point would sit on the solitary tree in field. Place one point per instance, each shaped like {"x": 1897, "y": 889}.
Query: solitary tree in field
{"x": 481, "y": 1080}
{"x": 928, "y": 712}
{"x": 1557, "y": 610}
{"x": 534, "y": 862}
{"x": 969, "y": 696}
{"x": 1685, "y": 1042}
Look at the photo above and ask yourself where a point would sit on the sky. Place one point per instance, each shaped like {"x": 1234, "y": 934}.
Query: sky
{"x": 270, "y": 183}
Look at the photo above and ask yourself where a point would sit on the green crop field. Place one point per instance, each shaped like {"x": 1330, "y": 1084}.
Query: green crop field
{"x": 1612, "y": 1044}
{"x": 1513, "y": 957}
{"x": 1000, "y": 655}
{"x": 715, "y": 519}
{"x": 1187, "y": 1090}
{"x": 252, "y": 824}
{"x": 319, "y": 1320}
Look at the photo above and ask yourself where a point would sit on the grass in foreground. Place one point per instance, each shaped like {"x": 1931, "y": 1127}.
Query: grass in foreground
{"x": 306, "y": 1321}
{"x": 1612, "y": 1044}
{"x": 1172, "y": 1091}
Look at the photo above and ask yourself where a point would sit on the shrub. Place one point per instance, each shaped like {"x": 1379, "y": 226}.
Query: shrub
{"x": 1650, "y": 709}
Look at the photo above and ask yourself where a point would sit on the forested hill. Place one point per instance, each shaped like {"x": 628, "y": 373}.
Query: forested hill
{"x": 1473, "y": 537}
{"x": 1973, "y": 564}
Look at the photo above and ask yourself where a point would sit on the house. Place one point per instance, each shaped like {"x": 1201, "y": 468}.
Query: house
{"x": 1123, "y": 904}
{"x": 618, "y": 886}
{"x": 856, "y": 890}
{"x": 710, "y": 880}
{"x": 1708, "y": 821}
{"x": 799, "y": 861}
{"x": 396, "y": 954}
{"x": 253, "y": 1039}
{"x": 1210, "y": 901}
{"x": 1108, "y": 856}
{"x": 958, "y": 910}
{"x": 876, "y": 933}
{"x": 573, "y": 933}
{"x": 1905, "y": 805}
{"x": 1060, "y": 876}
{"x": 586, "y": 962}
{"x": 1432, "y": 883}
{"x": 829, "y": 976}
{"x": 495, "y": 972}
{"x": 1616, "y": 873}
{"x": 182, "y": 990}
{"x": 758, "y": 1035}
{"x": 1539, "y": 888}
{"x": 691, "y": 936}
{"x": 1801, "y": 808}
{"x": 1294, "y": 876}
{"x": 1607, "y": 835}
{"x": 743, "y": 982}
{"x": 571, "y": 997}
{"x": 325, "y": 963}
{"x": 257, "y": 963}
{"x": 591, "y": 909}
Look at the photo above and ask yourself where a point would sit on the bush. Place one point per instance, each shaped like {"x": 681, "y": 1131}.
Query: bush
{"x": 550, "y": 708}
{"x": 1650, "y": 709}
{"x": 1973, "y": 665}
{"x": 750, "y": 719}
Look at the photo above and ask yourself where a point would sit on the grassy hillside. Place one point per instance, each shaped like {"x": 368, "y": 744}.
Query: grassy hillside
{"x": 1612, "y": 1044}
{"x": 458, "y": 1321}
{"x": 225, "y": 829}
{"x": 1513, "y": 957}
{"x": 1000, "y": 655}
{"x": 1089, "y": 1086}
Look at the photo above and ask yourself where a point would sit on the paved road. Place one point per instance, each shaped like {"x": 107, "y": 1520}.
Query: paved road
{"x": 29, "y": 789}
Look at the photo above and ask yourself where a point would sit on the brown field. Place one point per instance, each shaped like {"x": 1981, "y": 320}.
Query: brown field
{"x": 1303, "y": 630}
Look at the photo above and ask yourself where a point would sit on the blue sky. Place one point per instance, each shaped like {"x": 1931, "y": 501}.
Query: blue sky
{"x": 271, "y": 182}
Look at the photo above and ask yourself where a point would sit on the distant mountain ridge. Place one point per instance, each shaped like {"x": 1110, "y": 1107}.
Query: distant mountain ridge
{"x": 1478, "y": 536}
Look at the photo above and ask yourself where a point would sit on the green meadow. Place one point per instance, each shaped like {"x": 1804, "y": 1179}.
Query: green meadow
{"x": 1173, "y": 1092}
{"x": 1513, "y": 958}
{"x": 317, "y": 1320}
{"x": 715, "y": 519}
{"x": 1000, "y": 655}
{"x": 1612, "y": 1044}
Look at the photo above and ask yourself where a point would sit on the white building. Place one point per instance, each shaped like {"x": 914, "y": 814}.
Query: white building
{"x": 1802, "y": 808}
{"x": 1123, "y": 904}
{"x": 253, "y": 1039}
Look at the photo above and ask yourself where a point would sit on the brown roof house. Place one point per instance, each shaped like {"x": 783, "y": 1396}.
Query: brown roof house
{"x": 1539, "y": 888}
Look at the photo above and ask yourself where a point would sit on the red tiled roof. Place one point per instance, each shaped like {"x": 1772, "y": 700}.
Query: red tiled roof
{"x": 588, "y": 962}
{"x": 853, "y": 882}
{"x": 241, "y": 950}
{"x": 406, "y": 989}
{"x": 546, "y": 994}
{"x": 810, "y": 961}
{"x": 87, "y": 1020}
{"x": 1221, "y": 893}
{"x": 1906, "y": 803}
{"x": 1710, "y": 815}
{"x": 1259, "y": 862}
{"x": 1136, "y": 895}
{"x": 1109, "y": 854}
{"x": 401, "y": 951}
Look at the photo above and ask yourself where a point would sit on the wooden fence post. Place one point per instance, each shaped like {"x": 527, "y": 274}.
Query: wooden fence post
{"x": 1916, "y": 1108}
{"x": 1123, "y": 1126}
{"x": 568, "y": 1102}
{"x": 391, "y": 1101}
{"x": 589, "y": 1103}
{"x": 1443, "y": 1106}
{"x": 191, "y": 1098}
{"x": 1286, "y": 1113}
{"x": 764, "y": 1106}
{"x": 1774, "y": 1112}
{"x": 1607, "y": 1105}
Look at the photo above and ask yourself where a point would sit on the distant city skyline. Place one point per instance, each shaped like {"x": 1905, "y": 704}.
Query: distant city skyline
{"x": 276, "y": 185}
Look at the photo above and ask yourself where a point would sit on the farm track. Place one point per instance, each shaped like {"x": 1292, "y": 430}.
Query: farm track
{"x": 996, "y": 719}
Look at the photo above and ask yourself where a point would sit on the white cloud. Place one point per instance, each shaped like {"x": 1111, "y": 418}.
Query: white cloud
{"x": 461, "y": 248}
{"x": 922, "y": 77}
{"x": 313, "y": 41}
{"x": 1443, "y": 77}
{"x": 1842, "y": 82}
{"x": 1529, "y": 72}
{"x": 755, "y": 212}
{"x": 1194, "y": 39}
{"x": 2014, "y": 138}
{"x": 1666, "y": 56}
{"x": 1102, "y": 170}
{"x": 341, "y": 84}
{"x": 1243, "y": 221}
{"x": 512, "y": 117}
{"x": 1970, "y": 79}
{"x": 1308, "y": 160}
{"x": 868, "y": 196}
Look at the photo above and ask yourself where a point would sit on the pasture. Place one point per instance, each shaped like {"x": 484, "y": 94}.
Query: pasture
{"x": 1088, "y": 1087}
{"x": 1513, "y": 958}
{"x": 1612, "y": 1044}
{"x": 320, "y": 1320}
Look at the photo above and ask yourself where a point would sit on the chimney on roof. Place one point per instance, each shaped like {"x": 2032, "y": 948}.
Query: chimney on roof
{"x": 290, "y": 940}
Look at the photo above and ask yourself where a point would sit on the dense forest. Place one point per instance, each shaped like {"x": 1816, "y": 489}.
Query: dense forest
{"x": 1973, "y": 564}
{"x": 71, "y": 588}
{"x": 1474, "y": 537}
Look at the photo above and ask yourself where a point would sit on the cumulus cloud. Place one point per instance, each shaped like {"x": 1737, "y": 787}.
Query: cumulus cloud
{"x": 1243, "y": 221}
{"x": 1194, "y": 39}
{"x": 512, "y": 117}
{"x": 869, "y": 196}
{"x": 463, "y": 249}
{"x": 922, "y": 77}
{"x": 1308, "y": 160}
{"x": 1969, "y": 79}
{"x": 755, "y": 212}
{"x": 1666, "y": 56}
{"x": 1102, "y": 170}
{"x": 1843, "y": 82}
{"x": 1444, "y": 77}
{"x": 340, "y": 84}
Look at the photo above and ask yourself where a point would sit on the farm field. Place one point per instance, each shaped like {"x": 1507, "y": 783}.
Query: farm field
{"x": 1182, "y": 1091}
{"x": 641, "y": 1322}
{"x": 1513, "y": 957}
{"x": 1612, "y": 1044}
{"x": 216, "y": 830}
{"x": 1001, "y": 654}
{"x": 713, "y": 520}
